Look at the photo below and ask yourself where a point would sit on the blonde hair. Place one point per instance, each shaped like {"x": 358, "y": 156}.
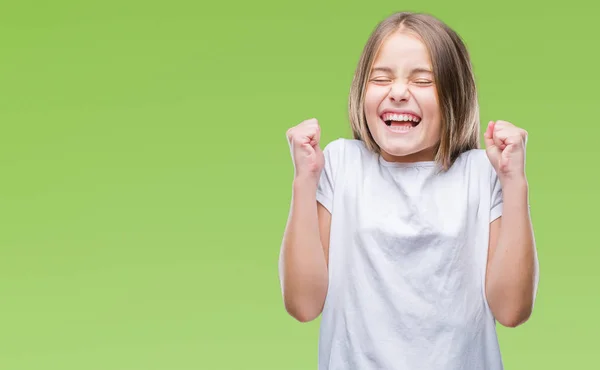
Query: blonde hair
{"x": 454, "y": 80}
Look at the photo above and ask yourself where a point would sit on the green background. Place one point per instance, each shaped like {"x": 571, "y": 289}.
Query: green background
{"x": 146, "y": 178}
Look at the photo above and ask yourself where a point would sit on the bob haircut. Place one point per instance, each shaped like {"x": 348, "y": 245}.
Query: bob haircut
{"x": 453, "y": 77}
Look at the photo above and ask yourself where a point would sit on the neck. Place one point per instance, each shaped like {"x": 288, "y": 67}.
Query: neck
{"x": 426, "y": 155}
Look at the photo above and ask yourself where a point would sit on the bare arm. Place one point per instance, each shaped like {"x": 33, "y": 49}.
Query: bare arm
{"x": 512, "y": 272}
{"x": 303, "y": 261}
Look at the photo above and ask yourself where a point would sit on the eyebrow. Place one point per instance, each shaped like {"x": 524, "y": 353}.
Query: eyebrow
{"x": 390, "y": 71}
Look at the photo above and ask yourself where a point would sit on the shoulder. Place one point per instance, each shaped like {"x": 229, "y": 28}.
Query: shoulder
{"x": 342, "y": 143}
{"x": 475, "y": 165}
{"x": 473, "y": 157}
{"x": 475, "y": 161}
{"x": 343, "y": 149}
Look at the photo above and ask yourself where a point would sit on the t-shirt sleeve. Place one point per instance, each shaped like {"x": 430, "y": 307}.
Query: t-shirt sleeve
{"x": 326, "y": 185}
{"x": 496, "y": 200}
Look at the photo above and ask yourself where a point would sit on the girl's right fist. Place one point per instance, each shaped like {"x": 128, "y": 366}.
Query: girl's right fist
{"x": 307, "y": 156}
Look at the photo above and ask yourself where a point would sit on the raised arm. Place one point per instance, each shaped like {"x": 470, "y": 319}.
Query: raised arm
{"x": 303, "y": 272}
{"x": 512, "y": 268}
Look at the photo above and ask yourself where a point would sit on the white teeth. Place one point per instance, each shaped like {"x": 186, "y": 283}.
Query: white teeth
{"x": 400, "y": 128}
{"x": 400, "y": 117}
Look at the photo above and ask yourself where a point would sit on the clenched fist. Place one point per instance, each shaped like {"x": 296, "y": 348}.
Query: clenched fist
{"x": 505, "y": 147}
{"x": 307, "y": 156}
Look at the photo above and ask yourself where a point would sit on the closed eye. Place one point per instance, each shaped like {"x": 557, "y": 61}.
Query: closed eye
{"x": 381, "y": 80}
{"x": 423, "y": 82}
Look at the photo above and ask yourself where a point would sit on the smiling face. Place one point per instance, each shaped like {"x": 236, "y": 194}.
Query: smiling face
{"x": 401, "y": 104}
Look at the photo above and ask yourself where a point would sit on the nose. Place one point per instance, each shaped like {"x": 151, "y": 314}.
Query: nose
{"x": 399, "y": 92}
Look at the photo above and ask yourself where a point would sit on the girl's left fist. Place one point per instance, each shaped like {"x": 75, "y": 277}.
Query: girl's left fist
{"x": 505, "y": 147}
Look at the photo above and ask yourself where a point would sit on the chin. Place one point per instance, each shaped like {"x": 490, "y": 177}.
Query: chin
{"x": 399, "y": 152}
{"x": 398, "y": 146}
{"x": 407, "y": 145}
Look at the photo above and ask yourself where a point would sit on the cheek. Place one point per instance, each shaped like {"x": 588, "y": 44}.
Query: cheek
{"x": 434, "y": 116}
{"x": 429, "y": 104}
{"x": 373, "y": 98}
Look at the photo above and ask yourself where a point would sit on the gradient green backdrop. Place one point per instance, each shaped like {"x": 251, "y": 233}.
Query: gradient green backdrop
{"x": 146, "y": 177}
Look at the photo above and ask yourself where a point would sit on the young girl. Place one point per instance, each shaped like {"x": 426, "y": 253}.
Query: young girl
{"x": 409, "y": 240}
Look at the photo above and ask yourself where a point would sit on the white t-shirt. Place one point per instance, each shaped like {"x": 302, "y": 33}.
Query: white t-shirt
{"x": 407, "y": 261}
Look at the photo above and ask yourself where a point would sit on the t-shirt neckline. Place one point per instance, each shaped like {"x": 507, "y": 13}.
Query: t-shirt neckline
{"x": 406, "y": 164}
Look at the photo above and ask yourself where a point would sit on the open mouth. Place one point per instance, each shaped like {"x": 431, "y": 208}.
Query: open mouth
{"x": 400, "y": 122}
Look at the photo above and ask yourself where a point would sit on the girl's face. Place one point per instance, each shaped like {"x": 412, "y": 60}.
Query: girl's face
{"x": 401, "y": 106}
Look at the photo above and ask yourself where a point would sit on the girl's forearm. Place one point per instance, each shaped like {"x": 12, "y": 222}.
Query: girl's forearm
{"x": 513, "y": 267}
{"x": 302, "y": 264}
